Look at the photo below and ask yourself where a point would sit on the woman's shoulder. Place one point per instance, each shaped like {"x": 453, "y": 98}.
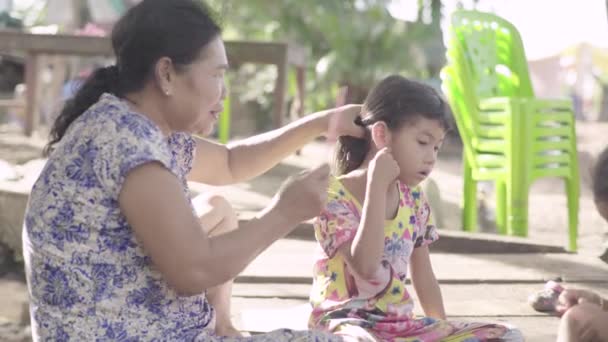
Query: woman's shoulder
{"x": 182, "y": 141}
{"x": 111, "y": 124}
{"x": 183, "y": 146}
{"x": 111, "y": 131}
{"x": 122, "y": 120}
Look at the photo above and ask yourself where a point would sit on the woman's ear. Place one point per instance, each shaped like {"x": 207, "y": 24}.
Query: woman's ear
{"x": 381, "y": 136}
{"x": 163, "y": 73}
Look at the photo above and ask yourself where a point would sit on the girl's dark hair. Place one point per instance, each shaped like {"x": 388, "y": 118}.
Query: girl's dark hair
{"x": 396, "y": 101}
{"x": 150, "y": 30}
{"x": 600, "y": 177}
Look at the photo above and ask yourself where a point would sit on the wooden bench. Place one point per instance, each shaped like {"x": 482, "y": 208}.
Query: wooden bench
{"x": 280, "y": 54}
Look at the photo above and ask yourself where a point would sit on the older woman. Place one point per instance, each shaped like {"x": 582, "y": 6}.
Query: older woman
{"x": 114, "y": 249}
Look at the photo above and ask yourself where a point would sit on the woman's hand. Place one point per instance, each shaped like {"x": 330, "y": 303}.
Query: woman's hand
{"x": 302, "y": 197}
{"x": 342, "y": 122}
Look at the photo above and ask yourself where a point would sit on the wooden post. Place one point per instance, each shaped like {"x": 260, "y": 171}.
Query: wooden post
{"x": 280, "y": 88}
{"x": 31, "y": 89}
{"x": 301, "y": 81}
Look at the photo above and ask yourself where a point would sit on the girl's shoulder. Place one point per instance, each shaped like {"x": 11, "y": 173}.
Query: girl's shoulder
{"x": 345, "y": 187}
{"x": 335, "y": 188}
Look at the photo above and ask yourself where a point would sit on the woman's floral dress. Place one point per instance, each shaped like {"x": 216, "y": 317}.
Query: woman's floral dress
{"x": 89, "y": 278}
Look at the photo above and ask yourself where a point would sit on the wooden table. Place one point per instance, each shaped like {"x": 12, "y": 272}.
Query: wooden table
{"x": 282, "y": 55}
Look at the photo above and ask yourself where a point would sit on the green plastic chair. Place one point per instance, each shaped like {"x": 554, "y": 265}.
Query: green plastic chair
{"x": 223, "y": 125}
{"x": 510, "y": 137}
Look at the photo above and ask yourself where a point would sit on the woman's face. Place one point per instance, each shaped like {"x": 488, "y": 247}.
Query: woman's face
{"x": 198, "y": 91}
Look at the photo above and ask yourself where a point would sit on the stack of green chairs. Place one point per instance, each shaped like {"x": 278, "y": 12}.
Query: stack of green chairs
{"x": 223, "y": 125}
{"x": 509, "y": 136}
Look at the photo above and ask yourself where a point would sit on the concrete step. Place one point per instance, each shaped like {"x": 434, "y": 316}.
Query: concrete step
{"x": 13, "y": 298}
{"x": 454, "y": 241}
{"x": 290, "y": 261}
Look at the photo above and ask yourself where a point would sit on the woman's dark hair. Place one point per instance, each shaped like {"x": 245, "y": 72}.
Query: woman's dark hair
{"x": 600, "y": 177}
{"x": 395, "y": 101}
{"x": 150, "y": 30}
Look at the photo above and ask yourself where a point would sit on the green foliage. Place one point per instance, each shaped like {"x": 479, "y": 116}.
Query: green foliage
{"x": 349, "y": 42}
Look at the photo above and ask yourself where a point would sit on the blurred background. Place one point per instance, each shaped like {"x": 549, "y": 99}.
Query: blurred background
{"x": 336, "y": 51}
{"x": 351, "y": 43}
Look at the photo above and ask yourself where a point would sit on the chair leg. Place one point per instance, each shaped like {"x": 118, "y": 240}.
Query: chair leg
{"x": 517, "y": 208}
{"x": 469, "y": 212}
{"x": 501, "y": 207}
{"x": 224, "y": 122}
{"x": 572, "y": 191}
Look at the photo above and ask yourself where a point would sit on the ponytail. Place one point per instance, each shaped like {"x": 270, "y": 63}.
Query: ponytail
{"x": 103, "y": 80}
{"x": 351, "y": 151}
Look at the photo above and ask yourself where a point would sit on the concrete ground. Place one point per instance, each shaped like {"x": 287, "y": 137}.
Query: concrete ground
{"x": 484, "y": 277}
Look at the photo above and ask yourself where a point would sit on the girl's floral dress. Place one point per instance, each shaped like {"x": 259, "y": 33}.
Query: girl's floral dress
{"x": 380, "y": 308}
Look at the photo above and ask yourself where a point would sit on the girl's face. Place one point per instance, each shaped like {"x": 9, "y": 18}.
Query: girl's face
{"x": 415, "y": 146}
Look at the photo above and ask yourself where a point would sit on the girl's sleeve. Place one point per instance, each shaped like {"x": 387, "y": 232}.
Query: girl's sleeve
{"x": 336, "y": 225}
{"x": 427, "y": 231}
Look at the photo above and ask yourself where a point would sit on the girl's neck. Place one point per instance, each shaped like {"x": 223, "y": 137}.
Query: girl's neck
{"x": 356, "y": 183}
{"x": 368, "y": 158}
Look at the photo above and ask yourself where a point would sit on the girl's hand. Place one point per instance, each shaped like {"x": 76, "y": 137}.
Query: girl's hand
{"x": 342, "y": 122}
{"x": 383, "y": 169}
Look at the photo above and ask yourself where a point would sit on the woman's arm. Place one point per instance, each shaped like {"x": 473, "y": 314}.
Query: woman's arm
{"x": 156, "y": 208}
{"x": 426, "y": 284}
{"x": 217, "y": 164}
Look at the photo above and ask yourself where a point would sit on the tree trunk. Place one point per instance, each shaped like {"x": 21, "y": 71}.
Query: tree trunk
{"x": 355, "y": 93}
{"x": 603, "y": 114}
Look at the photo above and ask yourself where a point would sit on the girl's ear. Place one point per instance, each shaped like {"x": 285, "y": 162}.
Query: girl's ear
{"x": 381, "y": 136}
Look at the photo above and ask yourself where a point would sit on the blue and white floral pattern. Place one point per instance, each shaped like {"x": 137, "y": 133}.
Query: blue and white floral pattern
{"x": 89, "y": 278}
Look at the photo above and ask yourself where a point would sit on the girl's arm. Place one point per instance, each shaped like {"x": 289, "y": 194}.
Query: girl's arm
{"x": 218, "y": 164}
{"x": 364, "y": 254}
{"x": 426, "y": 284}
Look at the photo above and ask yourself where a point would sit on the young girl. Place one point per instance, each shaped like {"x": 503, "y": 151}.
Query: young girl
{"x": 377, "y": 222}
